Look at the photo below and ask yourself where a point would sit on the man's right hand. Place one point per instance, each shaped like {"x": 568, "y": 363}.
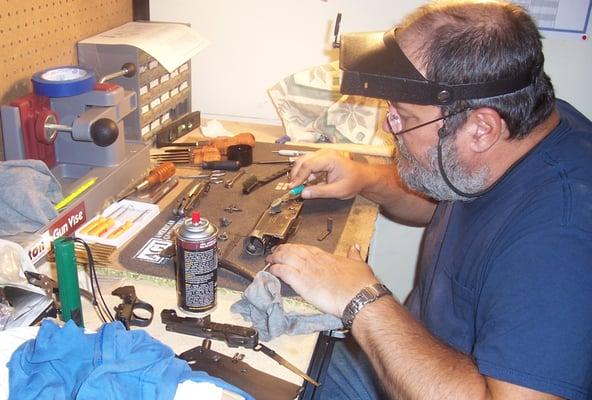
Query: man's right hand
{"x": 345, "y": 178}
{"x": 377, "y": 182}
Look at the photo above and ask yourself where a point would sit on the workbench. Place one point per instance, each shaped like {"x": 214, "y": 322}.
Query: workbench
{"x": 308, "y": 352}
{"x": 156, "y": 285}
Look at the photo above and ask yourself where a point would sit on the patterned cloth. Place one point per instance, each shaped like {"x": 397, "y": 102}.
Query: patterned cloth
{"x": 313, "y": 110}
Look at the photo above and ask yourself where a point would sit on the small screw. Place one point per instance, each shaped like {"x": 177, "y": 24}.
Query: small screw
{"x": 232, "y": 208}
{"x": 223, "y": 237}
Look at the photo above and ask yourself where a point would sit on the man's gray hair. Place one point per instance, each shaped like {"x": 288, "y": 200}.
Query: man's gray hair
{"x": 478, "y": 41}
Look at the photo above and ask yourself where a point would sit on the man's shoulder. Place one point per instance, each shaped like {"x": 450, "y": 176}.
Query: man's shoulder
{"x": 568, "y": 186}
{"x": 553, "y": 184}
{"x": 566, "y": 110}
{"x": 571, "y": 141}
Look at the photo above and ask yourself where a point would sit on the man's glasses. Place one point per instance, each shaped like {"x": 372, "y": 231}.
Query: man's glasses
{"x": 395, "y": 122}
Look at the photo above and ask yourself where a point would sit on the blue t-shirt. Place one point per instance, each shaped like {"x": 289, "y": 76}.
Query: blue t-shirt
{"x": 507, "y": 278}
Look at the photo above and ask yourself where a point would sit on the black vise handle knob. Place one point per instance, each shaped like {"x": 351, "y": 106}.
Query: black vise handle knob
{"x": 130, "y": 69}
{"x": 104, "y": 132}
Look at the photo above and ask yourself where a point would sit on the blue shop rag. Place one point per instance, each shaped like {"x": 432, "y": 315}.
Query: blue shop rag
{"x": 66, "y": 363}
{"x": 29, "y": 192}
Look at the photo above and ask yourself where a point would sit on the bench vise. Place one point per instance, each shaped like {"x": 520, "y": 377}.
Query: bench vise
{"x": 68, "y": 100}
{"x": 76, "y": 126}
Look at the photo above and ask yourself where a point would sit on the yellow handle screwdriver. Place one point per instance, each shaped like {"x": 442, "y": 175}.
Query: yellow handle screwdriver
{"x": 128, "y": 224}
{"x": 107, "y": 223}
{"x": 98, "y": 220}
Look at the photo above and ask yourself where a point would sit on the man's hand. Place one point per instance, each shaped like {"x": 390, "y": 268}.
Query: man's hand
{"x": 345, "y": 178}
{"x": 327, "y": 281}
{"x": 377, "y": 182}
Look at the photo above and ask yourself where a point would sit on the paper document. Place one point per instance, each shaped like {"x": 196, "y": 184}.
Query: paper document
{"x": 170, "y": 43}
{"x": 559, "y": 15}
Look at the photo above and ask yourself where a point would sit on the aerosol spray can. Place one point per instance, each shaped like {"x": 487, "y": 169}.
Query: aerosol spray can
{"x": 196, "y": 267}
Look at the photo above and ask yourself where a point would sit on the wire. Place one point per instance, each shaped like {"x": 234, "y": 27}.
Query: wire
{"x": 102, "y": 308}
{"x": 450, "y": 184}
{"x": 441, "y": 134}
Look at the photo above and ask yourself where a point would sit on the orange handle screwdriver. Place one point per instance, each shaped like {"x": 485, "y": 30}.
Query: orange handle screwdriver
{"x": 157, "y": 175}
{"x": 223, "y": 142}
{"x": 104, "y": 227}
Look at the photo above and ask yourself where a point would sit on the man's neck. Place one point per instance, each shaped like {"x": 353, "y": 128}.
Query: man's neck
{"x": 511, "y": 151}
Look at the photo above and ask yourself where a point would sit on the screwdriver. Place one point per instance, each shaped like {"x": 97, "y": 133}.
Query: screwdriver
{"x": 222, "y": 142}
{"x": 128, "y": 224}
{"x": 291, "y": 153}
{"x": 98, "y": 220}
{"x": 107, "y": 223}
{"x": 226, "y": 165}
{"x": 156, "y": 176}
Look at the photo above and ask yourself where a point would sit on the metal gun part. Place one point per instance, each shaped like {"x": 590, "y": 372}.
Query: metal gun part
{"x": 232, "y": 335}
{"x": 125, "y": 312}
{"x": 50, "y": 286}
{"x": 191, "y": 199}
{"x": 253, "y": 182}
{"x": 324, "y": 235}
{"x": 230, "y": 182}
{"x": 274, "y": 227}
{"x": 234, "y": 370}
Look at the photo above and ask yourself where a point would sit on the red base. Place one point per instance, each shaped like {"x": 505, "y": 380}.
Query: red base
{"x": 33, "y": 110}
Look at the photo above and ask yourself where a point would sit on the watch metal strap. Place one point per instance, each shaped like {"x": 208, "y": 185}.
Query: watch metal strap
{"x": 365, "y": 296}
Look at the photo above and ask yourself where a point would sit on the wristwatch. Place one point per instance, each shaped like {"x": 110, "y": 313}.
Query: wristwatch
{"x": 367, "y": 295}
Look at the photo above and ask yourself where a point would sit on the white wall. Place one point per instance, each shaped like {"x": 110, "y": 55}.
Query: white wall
{"x": 256, "y": 43}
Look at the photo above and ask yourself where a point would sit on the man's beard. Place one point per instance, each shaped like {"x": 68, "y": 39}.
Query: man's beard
{"x": 429, "y": 181}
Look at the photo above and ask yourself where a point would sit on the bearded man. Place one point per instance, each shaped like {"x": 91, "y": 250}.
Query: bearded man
{"x": 499, "y": 172}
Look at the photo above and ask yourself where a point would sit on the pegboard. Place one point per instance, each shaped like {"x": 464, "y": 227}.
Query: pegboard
{"x": 38, "y": 34}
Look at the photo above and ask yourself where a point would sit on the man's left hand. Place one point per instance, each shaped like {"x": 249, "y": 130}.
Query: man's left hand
{"x": 325, "y": 280}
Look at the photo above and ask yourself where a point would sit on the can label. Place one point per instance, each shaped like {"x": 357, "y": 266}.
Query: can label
{"x": 196, "y": 272}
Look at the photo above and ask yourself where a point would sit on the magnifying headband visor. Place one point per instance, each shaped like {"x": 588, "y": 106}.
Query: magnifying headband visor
{"x": 374, "y": 65}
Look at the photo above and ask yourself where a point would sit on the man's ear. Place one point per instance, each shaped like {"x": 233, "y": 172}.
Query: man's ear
{"x": 483, "y": 129}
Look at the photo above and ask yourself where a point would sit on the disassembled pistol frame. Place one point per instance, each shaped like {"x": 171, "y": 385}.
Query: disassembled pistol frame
{"x": 236, "y": 371}
{"x": 232, "y": 335}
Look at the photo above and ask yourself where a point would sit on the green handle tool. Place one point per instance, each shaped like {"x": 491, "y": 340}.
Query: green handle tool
{"x": 69, "y": 290}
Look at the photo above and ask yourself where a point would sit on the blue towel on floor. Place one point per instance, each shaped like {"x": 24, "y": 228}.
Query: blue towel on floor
{"x": 66, "y": 363}
{"x": 28, "y": 195}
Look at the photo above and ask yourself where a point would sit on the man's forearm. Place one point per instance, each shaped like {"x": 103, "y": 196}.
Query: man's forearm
{"x": 385, "y": 188}
{"x": 409, "y": 361}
